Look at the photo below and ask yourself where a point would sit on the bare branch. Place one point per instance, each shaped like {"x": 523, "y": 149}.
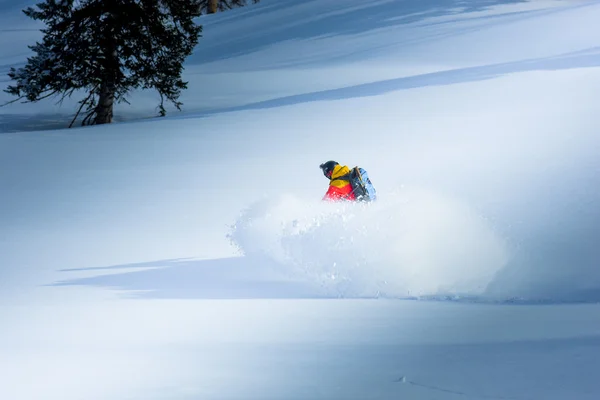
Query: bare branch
{"x": 88, "y": 118}
{"x": 66, "y": 94}
{"x": 83, "y": 103}
{"x": 12, "y": 101}
{"x": 52, "y": 93}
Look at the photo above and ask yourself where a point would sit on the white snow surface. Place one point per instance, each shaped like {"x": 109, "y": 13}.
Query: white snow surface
{"x": 191, "y": 256}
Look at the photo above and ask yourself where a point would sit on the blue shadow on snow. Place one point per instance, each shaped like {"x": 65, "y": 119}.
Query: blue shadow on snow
{"x": 244, "y": 278}
{"x": 327, "y": 20}
{"x": 227, "y": 278}
{"x": 588, "y": 58}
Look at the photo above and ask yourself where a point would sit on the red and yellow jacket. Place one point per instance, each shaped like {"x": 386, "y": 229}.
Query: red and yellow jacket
{"x": 339, "y": 189}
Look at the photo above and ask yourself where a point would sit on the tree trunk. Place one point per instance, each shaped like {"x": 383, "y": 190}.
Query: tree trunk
{"x": 104, "y": 109}
{"x": 213, "y": 6}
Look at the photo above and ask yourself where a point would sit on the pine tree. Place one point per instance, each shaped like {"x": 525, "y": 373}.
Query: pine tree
{"x": 106, "y": 48}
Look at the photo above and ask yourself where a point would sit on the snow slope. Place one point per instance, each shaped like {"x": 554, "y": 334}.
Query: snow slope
{"x": 168, "y": 258}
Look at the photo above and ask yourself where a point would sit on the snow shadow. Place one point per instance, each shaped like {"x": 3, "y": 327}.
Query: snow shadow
{"x": 16, "y": 123}
{"x": 227, "y": 278}
{"x": 245, "y": 278}
{"x": 10, "y": 123}
{"x": 313, "y": 19}
{"x": 588, "y": 58}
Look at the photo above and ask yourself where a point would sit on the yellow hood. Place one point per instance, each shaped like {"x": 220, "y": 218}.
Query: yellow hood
{"x": 339, "y": 170}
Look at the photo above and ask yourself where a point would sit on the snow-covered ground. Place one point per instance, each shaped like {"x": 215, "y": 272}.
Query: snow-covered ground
{"x": 190, "y": 257}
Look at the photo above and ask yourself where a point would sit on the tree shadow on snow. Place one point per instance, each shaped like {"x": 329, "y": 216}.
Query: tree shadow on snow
{"x": 326, "y": 20}
{"x": 587, "y": 58}
{"x": 16, "y": 123}
{"x": 10, "y": 123}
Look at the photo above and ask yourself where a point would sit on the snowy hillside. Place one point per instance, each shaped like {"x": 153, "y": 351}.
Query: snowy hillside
{"x": 170, "y": 257}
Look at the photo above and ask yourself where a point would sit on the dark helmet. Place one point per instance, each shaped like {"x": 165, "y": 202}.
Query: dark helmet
{"x": 328, "y": 168}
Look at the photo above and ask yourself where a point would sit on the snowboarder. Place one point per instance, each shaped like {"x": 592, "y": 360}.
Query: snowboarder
{"x": 347, "y": 184}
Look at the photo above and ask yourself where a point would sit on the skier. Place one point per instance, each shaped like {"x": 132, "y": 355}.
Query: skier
{"x": 339, "y": 189}
{"x": 347, "y": 184}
